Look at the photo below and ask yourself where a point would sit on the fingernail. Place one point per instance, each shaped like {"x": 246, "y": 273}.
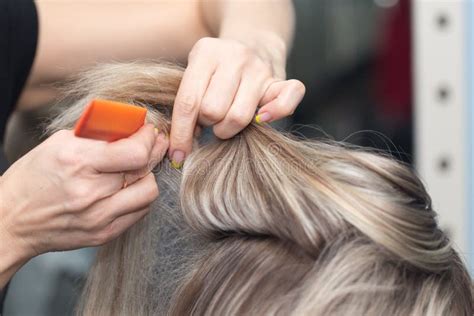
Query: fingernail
{"x": 156, "y": 131}
{"x": 177, "y": 159}
{"x": 263, "y": 117}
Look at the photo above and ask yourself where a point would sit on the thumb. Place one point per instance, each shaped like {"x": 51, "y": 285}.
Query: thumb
{"x": 157, "y": 154}
{"x": 280, "y": 100}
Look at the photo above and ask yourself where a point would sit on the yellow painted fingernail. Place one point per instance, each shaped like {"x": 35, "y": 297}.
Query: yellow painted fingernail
{"x": 156, "y": 131}
{"x": 177, "y": 159}
{"x": 262, "y": 118}
{"x": 176, "y": 165}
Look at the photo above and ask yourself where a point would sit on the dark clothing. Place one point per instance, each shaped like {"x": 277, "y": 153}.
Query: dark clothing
{"x": 18, "y": 39}
{"x": 3, "y": 293}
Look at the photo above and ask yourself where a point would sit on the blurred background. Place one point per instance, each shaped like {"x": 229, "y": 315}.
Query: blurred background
{"x": 355, "y": 58}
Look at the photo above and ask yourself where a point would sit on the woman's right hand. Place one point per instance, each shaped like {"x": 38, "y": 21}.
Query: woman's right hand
{"x": 72, "y": 192}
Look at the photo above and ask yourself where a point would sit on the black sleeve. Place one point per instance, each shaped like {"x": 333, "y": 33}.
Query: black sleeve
{"x": 3, "y": 293}
{"x": 18, "y": 39}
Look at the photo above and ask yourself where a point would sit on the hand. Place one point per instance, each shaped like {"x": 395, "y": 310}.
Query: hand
{"x": 72, "y": 192}
{"x": 224, "y": 83}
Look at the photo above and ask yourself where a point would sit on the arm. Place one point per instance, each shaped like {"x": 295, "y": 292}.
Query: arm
{"x": 246, "y": 62}
{"x": 11, "y": 258}
{"x": 266, "y": 26}
{"x": 75, "y": 34}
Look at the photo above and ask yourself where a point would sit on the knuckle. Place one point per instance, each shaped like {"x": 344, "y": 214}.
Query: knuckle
{"x": 245, "y": 63}
{"x": 246, "y": 53}
{"x": 238, "y": 119}
{"x": 239, "y": 64}
{"x": 152, "y": 191}
{"x": 264, "y": 71}
{"x": 100, "y": 220}
{"x": 186, "y": 105}
{"x": 80, "y": 195}
{"x": 283, "y": 109}
{"x": 260, "y": 68}
{"x": 258, "y": 64}
{"x": 105, "y": 233}
{"x": 200, "y": 45}
{"x": 221, "y": 134}
{"x": 80, "y": 191}
{"x": 67, "y": 156}
{"x": 140, "y": 155}
{"x": 279, "y": 103}
{"x": 89, "y": 223}
{"x": 100, "y": 238}
{"x": 241, "y": 56}
{"x": 211, "y": 113}
{"x": 299, "y": 86}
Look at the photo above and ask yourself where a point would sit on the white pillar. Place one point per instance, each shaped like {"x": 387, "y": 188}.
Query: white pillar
{"x": 442, "y": 112}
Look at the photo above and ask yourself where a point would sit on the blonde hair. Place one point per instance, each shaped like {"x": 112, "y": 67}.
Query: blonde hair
{"x": 265, "y": 223}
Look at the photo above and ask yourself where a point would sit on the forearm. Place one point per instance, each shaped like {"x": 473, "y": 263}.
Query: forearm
{"x": 76, "y": 34}
{"x": 9, "y": 265}
{"x": 265, "y": 24}
{"x": 10, "y": 258}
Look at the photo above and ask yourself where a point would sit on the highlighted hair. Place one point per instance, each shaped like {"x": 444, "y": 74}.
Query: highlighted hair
{"x": 265, "y": 223}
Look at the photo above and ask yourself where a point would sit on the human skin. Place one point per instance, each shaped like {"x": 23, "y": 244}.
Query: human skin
{"x": 235, "y": 53}
{"x": 69, "y": 192}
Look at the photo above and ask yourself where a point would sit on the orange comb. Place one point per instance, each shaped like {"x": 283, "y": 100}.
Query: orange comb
{"x": 109, "y": 120}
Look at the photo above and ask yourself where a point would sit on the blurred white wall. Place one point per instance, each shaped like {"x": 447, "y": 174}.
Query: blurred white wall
{"x": 443, "y": 112}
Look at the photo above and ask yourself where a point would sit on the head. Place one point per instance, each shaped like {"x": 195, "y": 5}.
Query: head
{"x": 265, "y": 223}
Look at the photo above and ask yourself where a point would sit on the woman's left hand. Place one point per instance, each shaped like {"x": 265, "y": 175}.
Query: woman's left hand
{"x": 224, "y": 83}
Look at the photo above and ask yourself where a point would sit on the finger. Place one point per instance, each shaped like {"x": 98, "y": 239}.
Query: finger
{"x": 135, "y": 197}
{"x": 157, "y": 154}
{"x": 159, "y": 150}
{"x": 126, "y": 154}
{"x": 242, "y": 109}
{"x": 186, "y": 108}
{"x": 280, "y": 100}
{"x": 107, "y": 184}
{"x": 219, "y": 95}
{"x": 121, "y": 224}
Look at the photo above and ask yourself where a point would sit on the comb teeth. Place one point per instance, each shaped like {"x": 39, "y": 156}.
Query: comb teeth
{"x": 109, "y": 120}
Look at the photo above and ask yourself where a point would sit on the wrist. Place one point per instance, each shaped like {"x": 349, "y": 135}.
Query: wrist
{"x": 11, "y": 260}
{"x": 12, "y": 255}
